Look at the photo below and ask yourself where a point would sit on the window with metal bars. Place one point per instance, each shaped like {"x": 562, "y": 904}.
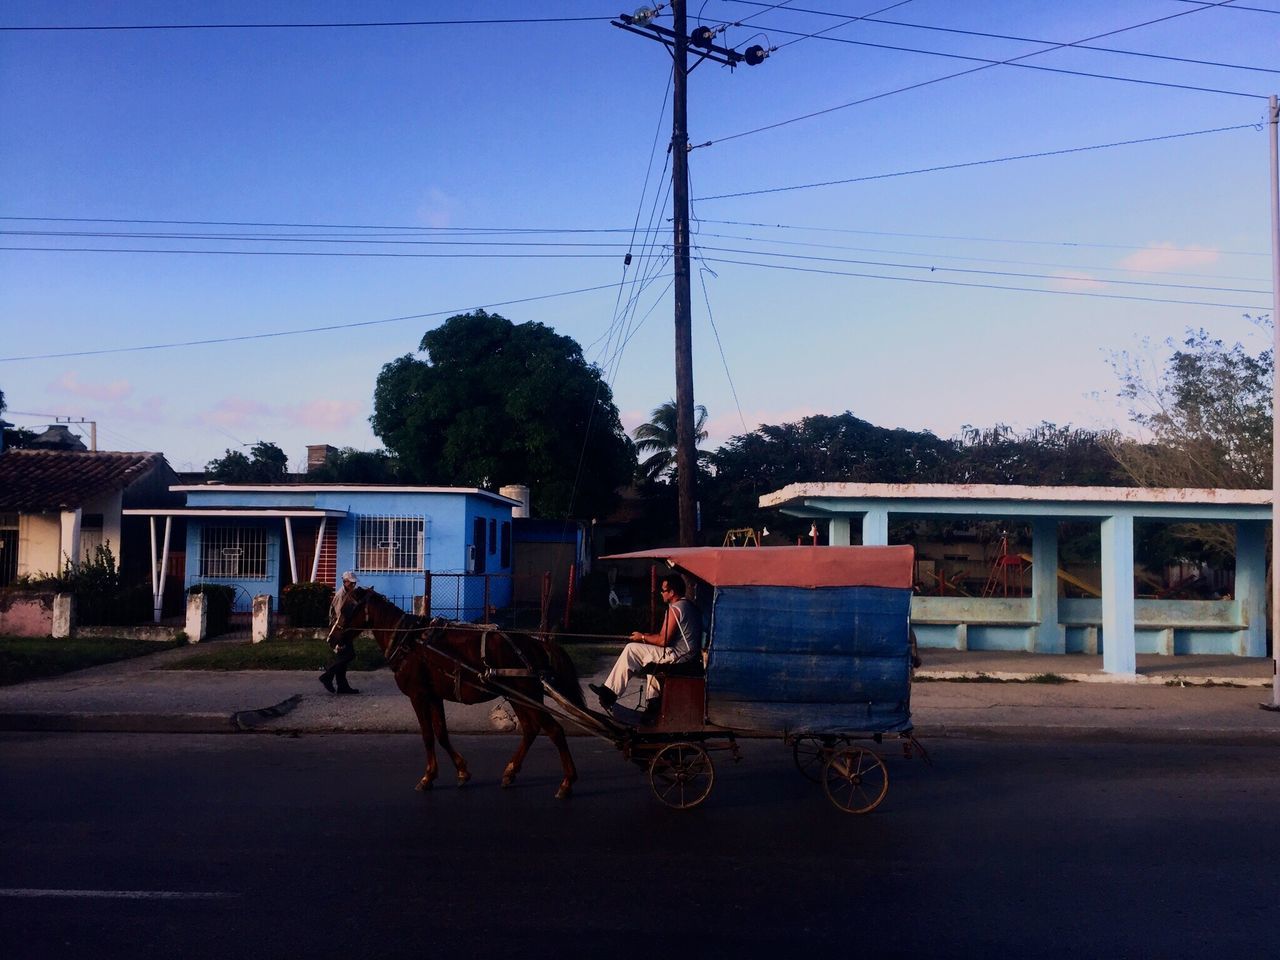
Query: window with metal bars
{"x": 233, "y": 553}
{"x": 390, "y": 543}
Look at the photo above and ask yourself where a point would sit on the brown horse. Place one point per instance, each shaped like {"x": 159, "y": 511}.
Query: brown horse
{"x": 437, "y": 660}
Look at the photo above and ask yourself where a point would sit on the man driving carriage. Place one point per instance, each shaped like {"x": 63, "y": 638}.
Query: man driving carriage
{"x": 678, "y": 640}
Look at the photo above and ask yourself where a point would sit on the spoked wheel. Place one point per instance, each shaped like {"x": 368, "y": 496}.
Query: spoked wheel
{"x": 682, "y": 775}
{"x": 855, "y": 779}
{"x": 810, "y": 753}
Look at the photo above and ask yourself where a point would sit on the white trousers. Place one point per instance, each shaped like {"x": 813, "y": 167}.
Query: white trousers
{"x": 633, "y": 657}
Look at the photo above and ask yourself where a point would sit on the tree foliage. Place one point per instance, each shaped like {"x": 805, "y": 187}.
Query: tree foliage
{"x": 496, "y": 403}
{"x": 1044, "y": 455}
{"x": 266, "y": 463}
{"x": 350, "y": 465}
{"x": 1207, "y": 414}
{"x": 658, "y": 438}
{"x": 845, "y": 448}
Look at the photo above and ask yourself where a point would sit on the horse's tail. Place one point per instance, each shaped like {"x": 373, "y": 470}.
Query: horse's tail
{"x": 564, "y": 675}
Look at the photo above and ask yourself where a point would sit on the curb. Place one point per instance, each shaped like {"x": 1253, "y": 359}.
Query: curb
{"x": 117, "y": 723}
{"x": 1006, "y": 676}
{"x": 1080, "y": 734}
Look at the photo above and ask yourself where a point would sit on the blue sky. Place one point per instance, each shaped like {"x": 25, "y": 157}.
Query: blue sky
{"x": 536, "y": 140}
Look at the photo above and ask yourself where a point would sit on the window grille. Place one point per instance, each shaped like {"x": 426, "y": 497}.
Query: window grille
{"x": 390, "y": 543}
{"x": 233, "y": 553}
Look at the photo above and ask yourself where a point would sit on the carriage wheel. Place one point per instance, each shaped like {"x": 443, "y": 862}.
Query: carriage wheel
{"x": 810, "y": 753}
{"x": 855, "y": 779}
{"x": 682, "y": 775}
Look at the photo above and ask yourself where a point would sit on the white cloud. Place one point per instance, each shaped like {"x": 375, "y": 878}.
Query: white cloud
{"x": 322, "y": 414}
{"x": 71, "y": 384}
{"x": 1165, "y": 257}
{"x": 436, "y": 209}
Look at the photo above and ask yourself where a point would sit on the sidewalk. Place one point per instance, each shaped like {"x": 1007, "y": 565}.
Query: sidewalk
{"x": 1191, "y": 698}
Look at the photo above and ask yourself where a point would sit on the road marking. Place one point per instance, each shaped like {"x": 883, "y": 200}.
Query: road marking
{"x": 118, "y": 894}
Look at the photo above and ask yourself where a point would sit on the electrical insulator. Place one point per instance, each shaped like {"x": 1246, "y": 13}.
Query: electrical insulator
{"x": 755, "y": 55}
{"x": 702, "y": 37}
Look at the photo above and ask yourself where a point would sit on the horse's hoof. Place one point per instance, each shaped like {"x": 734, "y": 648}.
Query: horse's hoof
{"x": 508, "y": 782}
{"x": 463, "y": 777}
{"x": 423, "y": 785}
{"x": 564, "y": 792}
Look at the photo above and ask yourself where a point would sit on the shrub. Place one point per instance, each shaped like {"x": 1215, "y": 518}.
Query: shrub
{"x": 101, "y": 598}
{"x": 306, "y": 604}
{"x": 219, "y": 598}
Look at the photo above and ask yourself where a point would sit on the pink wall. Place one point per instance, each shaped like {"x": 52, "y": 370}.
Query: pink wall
{"x": 26, "y": 615}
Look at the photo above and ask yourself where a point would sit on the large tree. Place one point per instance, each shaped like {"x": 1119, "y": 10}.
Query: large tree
{"x": 819, "y": 448}
{"x": 266, "y": 463}
{"x": 494, "y": 403}
{"x": 1206, "y": 413}
{"x": 1207, "y": 418}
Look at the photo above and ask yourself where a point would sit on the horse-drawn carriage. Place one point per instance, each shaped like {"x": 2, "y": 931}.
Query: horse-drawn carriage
{"x": 808, "y": 644}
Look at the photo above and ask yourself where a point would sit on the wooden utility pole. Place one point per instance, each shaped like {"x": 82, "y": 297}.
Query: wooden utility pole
{"x": 677, "y": 40}
{"x": 686, "y": 447}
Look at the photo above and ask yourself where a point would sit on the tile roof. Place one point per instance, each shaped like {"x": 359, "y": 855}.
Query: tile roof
{"x": 33, "y": 480}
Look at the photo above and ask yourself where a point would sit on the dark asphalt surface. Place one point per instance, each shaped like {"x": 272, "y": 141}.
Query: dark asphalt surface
{"x": 317, "y": 846}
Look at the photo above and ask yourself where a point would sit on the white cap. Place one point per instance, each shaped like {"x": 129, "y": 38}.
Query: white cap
{"x": 349, "y": 575}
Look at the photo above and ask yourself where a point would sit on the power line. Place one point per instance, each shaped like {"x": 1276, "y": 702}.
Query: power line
{"x": 302, "y": 330}
{"x": 985, "y": 286}
{"x": 985, "y": 273}
{"x": 48, "y": 28}
{"x": 1065, "y": 71}
{"x": 1232, "y": 6}
{"x": 978, "y": 163}
{"x": 945, "y": 236}
{"x": 974, "y": 259}
{"x": 874, "y": 18}
{"x": 951, "y": 76}
{"x": 843, "y": 23}
{"x": 646, "y": 229}
{"x": 317, "y": 253}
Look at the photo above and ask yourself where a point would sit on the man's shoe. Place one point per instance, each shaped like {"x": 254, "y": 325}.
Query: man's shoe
{"x": 607, "y": 697}
{"x": 348, "y": 690}
{"x": 328, "y": 684}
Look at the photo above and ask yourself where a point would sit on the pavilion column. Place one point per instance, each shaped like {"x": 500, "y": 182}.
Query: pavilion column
{"x": 838, "y": 532}
{"x": 1049, "y": 636}
{"x": 69, "y": 539}
{"x": 1251, "y": 587}
{"x": 875, "y": 527}
{"x": 1119, "y": 653}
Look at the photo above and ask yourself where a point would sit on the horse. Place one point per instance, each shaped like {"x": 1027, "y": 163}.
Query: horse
{"x": 437, "y": 660}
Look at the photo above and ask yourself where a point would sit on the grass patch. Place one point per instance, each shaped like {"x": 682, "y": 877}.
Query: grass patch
{"x": 277, "y": 655}
{"x": 1189, "y": 682}
{"x": 987, "y": 678}
{"x": 29, "y": 658}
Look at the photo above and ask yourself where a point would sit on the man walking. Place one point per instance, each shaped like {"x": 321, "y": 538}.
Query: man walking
{"x": 344, "y": 648}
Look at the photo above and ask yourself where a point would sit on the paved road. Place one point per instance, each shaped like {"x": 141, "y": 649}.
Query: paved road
{"x": 216, "y": 846}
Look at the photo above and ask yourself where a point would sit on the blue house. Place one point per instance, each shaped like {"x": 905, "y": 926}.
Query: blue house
{"x": 258, "y": 538}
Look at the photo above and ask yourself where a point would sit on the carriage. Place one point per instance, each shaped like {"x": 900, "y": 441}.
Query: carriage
{"x": 810, "y": 645}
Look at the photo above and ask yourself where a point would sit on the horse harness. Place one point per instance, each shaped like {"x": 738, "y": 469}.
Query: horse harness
{"x": 408, "y": 635}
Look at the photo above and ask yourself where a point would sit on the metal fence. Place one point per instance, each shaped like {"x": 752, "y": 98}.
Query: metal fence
{"x": 521, "y": 602}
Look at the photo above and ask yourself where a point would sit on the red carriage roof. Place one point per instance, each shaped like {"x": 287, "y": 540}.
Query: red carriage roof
{"x": 789, "y": 566}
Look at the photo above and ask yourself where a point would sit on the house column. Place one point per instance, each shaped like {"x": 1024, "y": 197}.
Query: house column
{"x": 1049, "y": 636}
{"x": 69, "y": 537}
{"x": 875, "y": 527}
{"x": 838, "y": 532}
{"x": 1251, "y": 587}
{"x": 1119, "y": 653}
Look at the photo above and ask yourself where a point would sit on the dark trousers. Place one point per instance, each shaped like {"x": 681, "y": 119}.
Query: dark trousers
{"x": 336, "y": 671}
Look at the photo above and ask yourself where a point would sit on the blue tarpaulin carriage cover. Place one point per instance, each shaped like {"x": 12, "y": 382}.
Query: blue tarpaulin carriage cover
{"x": 806, "y": 639}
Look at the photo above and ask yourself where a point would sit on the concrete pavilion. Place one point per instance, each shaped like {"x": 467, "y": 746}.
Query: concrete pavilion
{"x": 1117, "y": 625}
